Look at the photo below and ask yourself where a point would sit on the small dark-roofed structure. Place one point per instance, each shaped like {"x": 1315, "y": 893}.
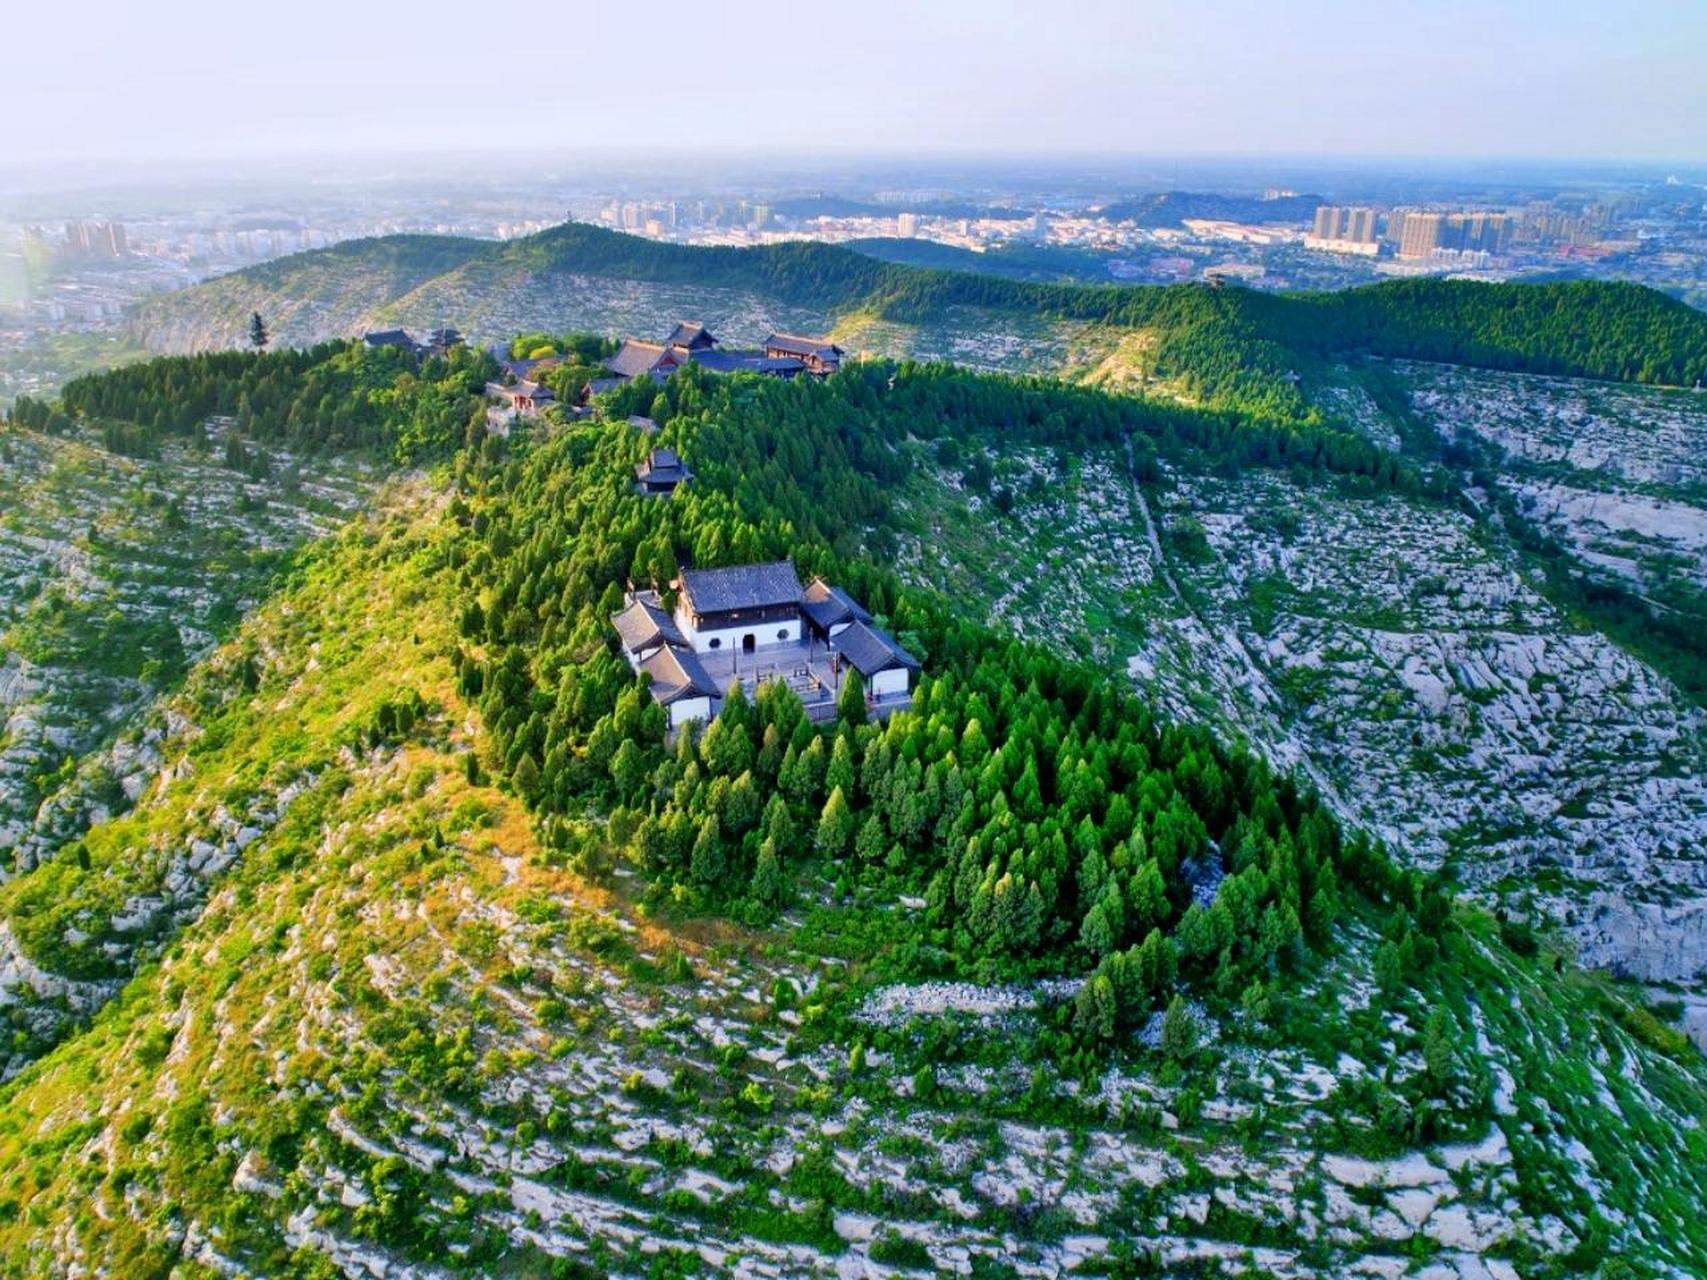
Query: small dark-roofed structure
{"x": 871, "y": 650}
{"x": 678, "y": 674}
{"x": 523, "y": 397}
{"x": 598, "y": 386}
{"x": 829, "y": 608}
{"x": 644, "y": 626}
{"x": 661, "y": 472}
{"x": 724, "y": 361}
{"x": 635, "y": 359}
{"x": 525, "y": 370}
{"x": 816, "y": 355}
{"x": 690, "y": 335}
{"x": 389, "y": 338}
{"x": 644, "y": 425}
{"x": 441, "y": 342}
{"x": 740, "y": 587}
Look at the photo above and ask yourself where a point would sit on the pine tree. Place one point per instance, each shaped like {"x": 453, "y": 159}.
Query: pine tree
{"x": 707, "y": 862}
{"x": 850, "y": 703}
{"x": 1094, "y": 1010}
{"x": 767, "y": 876}
{"x": 258, "y": 331}
{"x": 1438, "y": 1035}
{"x": 835, "y": 825}
{"x": 871, "y": 843}
{"x": 526, "y": 777}
{"x": 1094, "y": 934}
{"x": 628, "y": 769}
{"x": 840, "y": 772}
{"x": 1179, "y": 1031}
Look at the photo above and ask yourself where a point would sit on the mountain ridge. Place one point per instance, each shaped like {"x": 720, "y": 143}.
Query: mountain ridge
{"x": 1636, "y": 334}
{"x": 427, "y": 1018}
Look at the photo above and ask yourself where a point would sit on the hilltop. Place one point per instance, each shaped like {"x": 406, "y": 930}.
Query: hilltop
{"x": 1217, "y": 344}
{"x": 425, "y": 953}
{"x": 1216, "y": 904}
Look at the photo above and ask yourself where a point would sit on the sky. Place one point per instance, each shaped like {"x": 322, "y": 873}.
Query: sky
{"x": 184, "y": 79}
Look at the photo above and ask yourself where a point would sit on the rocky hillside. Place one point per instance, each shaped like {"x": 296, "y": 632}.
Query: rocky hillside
{"x": 349, "y": 1014}
{"x": 419, "y": 950}
{"x": 116, "y": 574}
{"x": 1409, "y": 654}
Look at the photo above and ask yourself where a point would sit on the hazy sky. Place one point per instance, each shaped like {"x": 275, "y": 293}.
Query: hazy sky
{"x": 183, "y": 78}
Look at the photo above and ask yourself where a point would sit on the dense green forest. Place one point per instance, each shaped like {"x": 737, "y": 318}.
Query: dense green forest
{"x": 338, "y": 395}
{"x": 403, "y": 257}
{"x": 1043, "y": 816}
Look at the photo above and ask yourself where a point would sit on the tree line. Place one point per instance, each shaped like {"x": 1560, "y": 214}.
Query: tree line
{"x": 1234, "y": 343}
{"x": 335, "y": 396}
{"x": 1046, "y": 820}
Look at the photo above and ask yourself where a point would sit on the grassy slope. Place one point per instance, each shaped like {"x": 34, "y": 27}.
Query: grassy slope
{"x": 112, "y": 571}
{"x": 400, "y": 1027}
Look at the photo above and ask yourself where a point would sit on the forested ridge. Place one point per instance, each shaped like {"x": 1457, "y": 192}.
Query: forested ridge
{"x": 504, "y": 980}
{"x": 1586, "y": 328}
{"x": 335, "y": 396}
{"x": 1229, "y": 347}
{"x": 1048, "y": 822}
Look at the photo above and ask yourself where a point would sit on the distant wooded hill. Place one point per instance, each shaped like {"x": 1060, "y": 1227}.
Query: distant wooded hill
{"x": 1232, "y": 345}
{"x": 1172, "y": 208}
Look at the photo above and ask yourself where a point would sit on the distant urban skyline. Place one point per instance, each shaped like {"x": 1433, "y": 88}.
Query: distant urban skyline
{"x": 1504, "y": 78}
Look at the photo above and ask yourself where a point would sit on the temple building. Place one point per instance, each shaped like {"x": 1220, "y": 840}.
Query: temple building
{"x": 523, "y": 399}
{"x": 755, "y": 622}
{"x": 816, "y": 355}
{"x": 784, "y": 356}
{"x": 661, "y": 472}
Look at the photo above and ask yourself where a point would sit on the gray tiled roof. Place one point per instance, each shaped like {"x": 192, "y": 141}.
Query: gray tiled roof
{"x": 687, "y": 333}
{"x": 795, "y": 344}
{"x": 827, "y": 605}
{"x": 742, "y": 586}
{"x": 634, "y": 358}
{"x": 388, "y": 338}
{"x": 643, "y": 626}
{"x": 726, "y": 361}
{"x": 678, "y": 673}
{"x": 530, "y": 390}
{"x": 662, "y": 466}
{"x": 871, "y": 650}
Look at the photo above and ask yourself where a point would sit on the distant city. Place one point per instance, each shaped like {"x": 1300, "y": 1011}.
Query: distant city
{"x": 72, "y": 265}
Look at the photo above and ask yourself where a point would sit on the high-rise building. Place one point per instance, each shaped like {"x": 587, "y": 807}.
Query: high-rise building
{"x": 907, "y": 225}
{"x": 1355, "y": 224}
{"x": 1420, "y": 236}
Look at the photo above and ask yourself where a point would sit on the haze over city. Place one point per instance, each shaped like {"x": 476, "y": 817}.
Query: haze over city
{"x": 985, "y": 638}
{"x": 1461, "y": 78}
